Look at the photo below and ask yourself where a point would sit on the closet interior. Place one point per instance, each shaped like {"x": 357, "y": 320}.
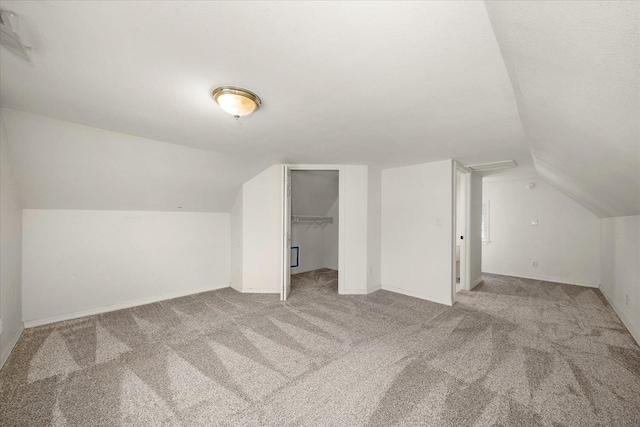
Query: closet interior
{"x": 314, "y": 229}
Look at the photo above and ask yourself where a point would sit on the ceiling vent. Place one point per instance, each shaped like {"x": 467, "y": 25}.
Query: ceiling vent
{"x": 492, "y": 166}
{"x": 9, "y": 36}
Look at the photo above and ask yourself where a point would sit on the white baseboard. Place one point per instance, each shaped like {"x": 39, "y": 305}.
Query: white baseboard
{"x": 562, "y": 281}
{"x": 113, "y": 307}
{"x": 414, "y": 294}
{"x": 374, "y": 289}
{"x": 14, "y": 340}
{"x": 634, "y": 333}
{"x": 476, "y": 283}
{"x": 354, "y": 292}
{"x": 258, "y": 291}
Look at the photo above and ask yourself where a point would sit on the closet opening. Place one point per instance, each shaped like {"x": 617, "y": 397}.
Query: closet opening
{"x": 313, "y": 231}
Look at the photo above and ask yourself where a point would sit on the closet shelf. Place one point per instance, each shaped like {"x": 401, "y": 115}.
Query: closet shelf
{"x": 312, "y": 219}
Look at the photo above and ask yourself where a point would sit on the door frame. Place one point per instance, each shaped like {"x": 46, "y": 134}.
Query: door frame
{"x": 286, "y": 251}
{"x": 465, "y": 258}
{"x": 285, "y": 235}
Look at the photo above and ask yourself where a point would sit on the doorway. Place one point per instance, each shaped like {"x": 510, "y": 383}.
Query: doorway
{"x": 461, "y": 226}
{"x": 311, "y": 230}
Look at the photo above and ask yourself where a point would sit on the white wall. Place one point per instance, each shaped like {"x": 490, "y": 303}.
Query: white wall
{"x": 310, "y": 240}
{"x": 83, "y": 262}
{"x": 64, "y": 165}
{"x": 236, "y": 242}
{"x": 620, "y": 239}
{"x": 330, "y": 238}
{"x": 374, "y": 229}
{"x": 565, "y": 243}
{"x": 10, "y": 252}
{"x": 262, "y": 228}
{"x": 417, "y": 230}
{"x": 261, "y": 231}
{"x": 354, "y": 215}
{"x": 474, "y": 234}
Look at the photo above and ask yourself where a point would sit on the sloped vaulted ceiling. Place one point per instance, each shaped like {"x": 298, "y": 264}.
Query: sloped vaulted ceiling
{"x": 379, "y": 83}
{"x": 575, "y": 70}
{"x": 313, "y": 192}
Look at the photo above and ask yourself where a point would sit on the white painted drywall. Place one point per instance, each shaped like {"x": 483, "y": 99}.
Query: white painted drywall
{"x": 262, "y": 228}
{"x": 579, "y": 112}
{"x": 10, "y": 251}
{"x": 309, "y": 238}
{"x": 236, "y": 242}
{"x": 620, "y": 251}
{"x": 565, "y": 243}
{"x": 354, "y": 215}
{"x": 313, "y": 192}
{"x": 374, "y": 228}
{"x": 63, "y": 165}
{"x": 417, "y": 230}
{"x": 474, "y": 233}
{"x": 330, "y": 238}
{"x": 261, "y": 231}
{"x": 82, "y": 262}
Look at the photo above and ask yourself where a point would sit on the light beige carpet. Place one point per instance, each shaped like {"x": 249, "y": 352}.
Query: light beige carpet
{"x": 513, "y": 352}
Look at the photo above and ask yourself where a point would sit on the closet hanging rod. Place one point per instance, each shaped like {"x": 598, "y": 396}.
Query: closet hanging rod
{"x": 313, "y": 219}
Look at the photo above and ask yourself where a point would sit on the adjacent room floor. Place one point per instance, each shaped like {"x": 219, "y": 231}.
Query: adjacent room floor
{"x": 513, "y": 352}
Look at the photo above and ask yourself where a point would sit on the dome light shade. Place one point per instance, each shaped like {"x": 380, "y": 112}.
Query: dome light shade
{"x": 236, "y": 101}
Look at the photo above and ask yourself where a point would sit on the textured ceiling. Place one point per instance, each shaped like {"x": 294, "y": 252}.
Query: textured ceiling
{"x": 575, "y": 70}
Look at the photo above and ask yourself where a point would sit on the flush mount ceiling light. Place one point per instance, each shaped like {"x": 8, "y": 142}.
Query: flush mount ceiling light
{"x": 236, "y": 101}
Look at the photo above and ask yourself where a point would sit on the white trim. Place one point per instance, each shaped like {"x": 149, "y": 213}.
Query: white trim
{"x": 11, "y": 344}
{"x": 304, "y": 167}
{"x": 465, "y": 258}
{"x": 462, "y": 168}
{"x": 258, "y": 291}
{"x": 117, "y": 306}
{"x": 476, "y": 283}
{"x": 414, "y": 294}
{"x": 356, "y": 292}
{"x": 374, "y": 289}
{"x": 561, "y": 281}
{"x": 454, "y": 241}
{"x": 285, "y": 233}
{"x": 635, "y": 334}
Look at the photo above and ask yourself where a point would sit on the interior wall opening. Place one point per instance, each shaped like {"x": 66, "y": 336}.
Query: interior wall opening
{"x": 460, "y": 235}
{"x": 314, "y": 231}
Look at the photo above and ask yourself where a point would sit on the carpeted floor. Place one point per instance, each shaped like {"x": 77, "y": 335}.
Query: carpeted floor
{"x": 513, "y": 352}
